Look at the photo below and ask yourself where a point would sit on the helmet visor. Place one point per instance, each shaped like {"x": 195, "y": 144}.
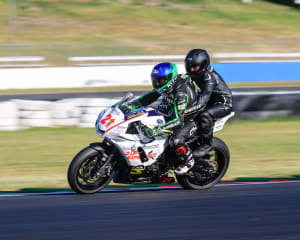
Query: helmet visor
{"x": 160, "y": 81}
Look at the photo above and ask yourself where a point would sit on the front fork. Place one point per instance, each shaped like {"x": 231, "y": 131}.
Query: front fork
{"x": 104, "y": 149}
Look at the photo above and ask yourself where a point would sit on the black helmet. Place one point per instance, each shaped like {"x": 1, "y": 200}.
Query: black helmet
{"x": 197, "y": 61}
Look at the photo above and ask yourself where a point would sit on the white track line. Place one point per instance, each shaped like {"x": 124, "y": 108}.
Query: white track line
{"x": 143, "y": 188}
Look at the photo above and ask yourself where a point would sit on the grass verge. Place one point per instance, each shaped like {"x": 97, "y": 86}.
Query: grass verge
{"x": 38, "y": 158}
{"x": 136, "y": 21}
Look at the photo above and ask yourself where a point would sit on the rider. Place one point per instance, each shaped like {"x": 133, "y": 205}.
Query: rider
{"x": 215, "y": 97}
{"x": 180, "y": 94}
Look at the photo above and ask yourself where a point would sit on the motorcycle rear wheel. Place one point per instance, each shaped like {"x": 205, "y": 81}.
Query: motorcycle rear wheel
{"x": 221, "y": 158}
{"x": 84, "y": 172}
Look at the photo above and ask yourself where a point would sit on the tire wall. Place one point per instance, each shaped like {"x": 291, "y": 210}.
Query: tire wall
{"x": 83, "y": 112}
{"x": 263, "y": 106}
{"x": 19, "y": 114}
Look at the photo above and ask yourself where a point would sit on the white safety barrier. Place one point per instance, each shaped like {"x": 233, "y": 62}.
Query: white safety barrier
{"x": 115, "y": 74}
{"x": 76, "y": 77}
{"x": 65, "y": 113}
{"x": 9, "y": 116}
{"x": 80, "y": 112}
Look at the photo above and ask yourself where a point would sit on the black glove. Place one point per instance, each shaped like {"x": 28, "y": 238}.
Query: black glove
{"x": 163, "y": 109}
{"x": 152, "y": 132}
{"x": 127, "y": 107}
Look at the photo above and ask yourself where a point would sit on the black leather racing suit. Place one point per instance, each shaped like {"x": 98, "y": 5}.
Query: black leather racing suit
{"x": 183, "y": 97}
{"x": 215, "y": 99}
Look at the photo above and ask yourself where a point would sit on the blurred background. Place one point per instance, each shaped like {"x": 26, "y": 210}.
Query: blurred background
{"x": 63, "y": 61}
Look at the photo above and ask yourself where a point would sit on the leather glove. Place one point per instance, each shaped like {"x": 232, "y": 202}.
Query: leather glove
{"x": 127, "y": 107}
{"x": 153, "y": 132}
{"x": 163, "y": 108}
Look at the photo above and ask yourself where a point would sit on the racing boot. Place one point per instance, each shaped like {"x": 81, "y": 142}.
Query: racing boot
{"x": 204, "y": 148}
{"x": 187, "y": 160}
{"x": 206, "y": 132}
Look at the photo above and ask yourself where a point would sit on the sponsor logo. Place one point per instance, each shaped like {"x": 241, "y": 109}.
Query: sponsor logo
{"x": 134, "y": 114}
{"x": 192, "y": 131}
{"x": 136, "y": 156}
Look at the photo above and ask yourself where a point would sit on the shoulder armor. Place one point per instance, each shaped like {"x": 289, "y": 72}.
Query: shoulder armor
{"x": 207, "y": 76}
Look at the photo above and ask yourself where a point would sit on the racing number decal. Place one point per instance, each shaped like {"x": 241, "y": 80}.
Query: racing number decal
{"x": 107, "y": 120}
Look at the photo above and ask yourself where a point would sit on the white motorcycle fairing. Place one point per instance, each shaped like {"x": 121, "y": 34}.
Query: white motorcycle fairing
{"x": 114, "y": 124}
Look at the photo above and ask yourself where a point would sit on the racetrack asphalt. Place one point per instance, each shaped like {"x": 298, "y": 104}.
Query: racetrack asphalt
{"x": 267, "y": 211}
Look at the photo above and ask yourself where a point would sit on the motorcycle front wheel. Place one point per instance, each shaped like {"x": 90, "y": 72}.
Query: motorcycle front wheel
{"x": 206, "y": 176}
{"x": 89, "y": 172}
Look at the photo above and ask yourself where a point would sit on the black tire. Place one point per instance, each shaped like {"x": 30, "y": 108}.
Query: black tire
{"x": 222, "y": 155}
{"x": 77, "y": 182}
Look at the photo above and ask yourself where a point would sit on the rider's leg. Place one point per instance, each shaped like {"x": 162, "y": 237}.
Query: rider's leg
{"x": 206, "y": 124}
{"x": 182, "y": 150}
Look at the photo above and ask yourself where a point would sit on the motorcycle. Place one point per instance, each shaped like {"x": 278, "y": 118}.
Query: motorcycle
{"x": 125, "y": 155}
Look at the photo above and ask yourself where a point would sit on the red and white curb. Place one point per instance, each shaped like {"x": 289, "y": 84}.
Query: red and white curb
{"x": 137, "y": 189}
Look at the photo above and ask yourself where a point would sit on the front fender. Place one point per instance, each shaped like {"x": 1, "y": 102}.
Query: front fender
{"x": 103, "y": 146}
{"x": 97, "y": 146}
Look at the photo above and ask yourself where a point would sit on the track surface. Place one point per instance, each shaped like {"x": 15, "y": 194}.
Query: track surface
{"x": 269, "y": 211}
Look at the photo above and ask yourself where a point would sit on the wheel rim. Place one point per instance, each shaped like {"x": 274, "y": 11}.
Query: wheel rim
{"x": 90, "y": 176}
{"x": 200, "y": 176}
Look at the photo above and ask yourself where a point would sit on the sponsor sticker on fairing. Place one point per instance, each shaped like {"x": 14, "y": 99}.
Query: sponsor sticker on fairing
{"x": 135, "y": 155}
{"x": 134, "y": 114}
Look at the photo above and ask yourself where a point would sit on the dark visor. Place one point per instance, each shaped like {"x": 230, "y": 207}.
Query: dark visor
{"x": 158, "y": 82}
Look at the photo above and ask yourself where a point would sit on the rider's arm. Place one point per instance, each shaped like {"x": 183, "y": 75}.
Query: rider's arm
{"x": 207, "y": 87}
{"x": 180, "y": 105}
{"x": 146, "y": 99}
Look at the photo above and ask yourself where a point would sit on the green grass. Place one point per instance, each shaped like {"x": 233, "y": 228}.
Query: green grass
{"x": 263, "y": 148}
{"x": 82, "y": 21}
{"x": 38, "y": 158}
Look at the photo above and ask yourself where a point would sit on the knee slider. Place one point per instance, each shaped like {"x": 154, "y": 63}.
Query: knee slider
{"x": 175, "y": 142}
